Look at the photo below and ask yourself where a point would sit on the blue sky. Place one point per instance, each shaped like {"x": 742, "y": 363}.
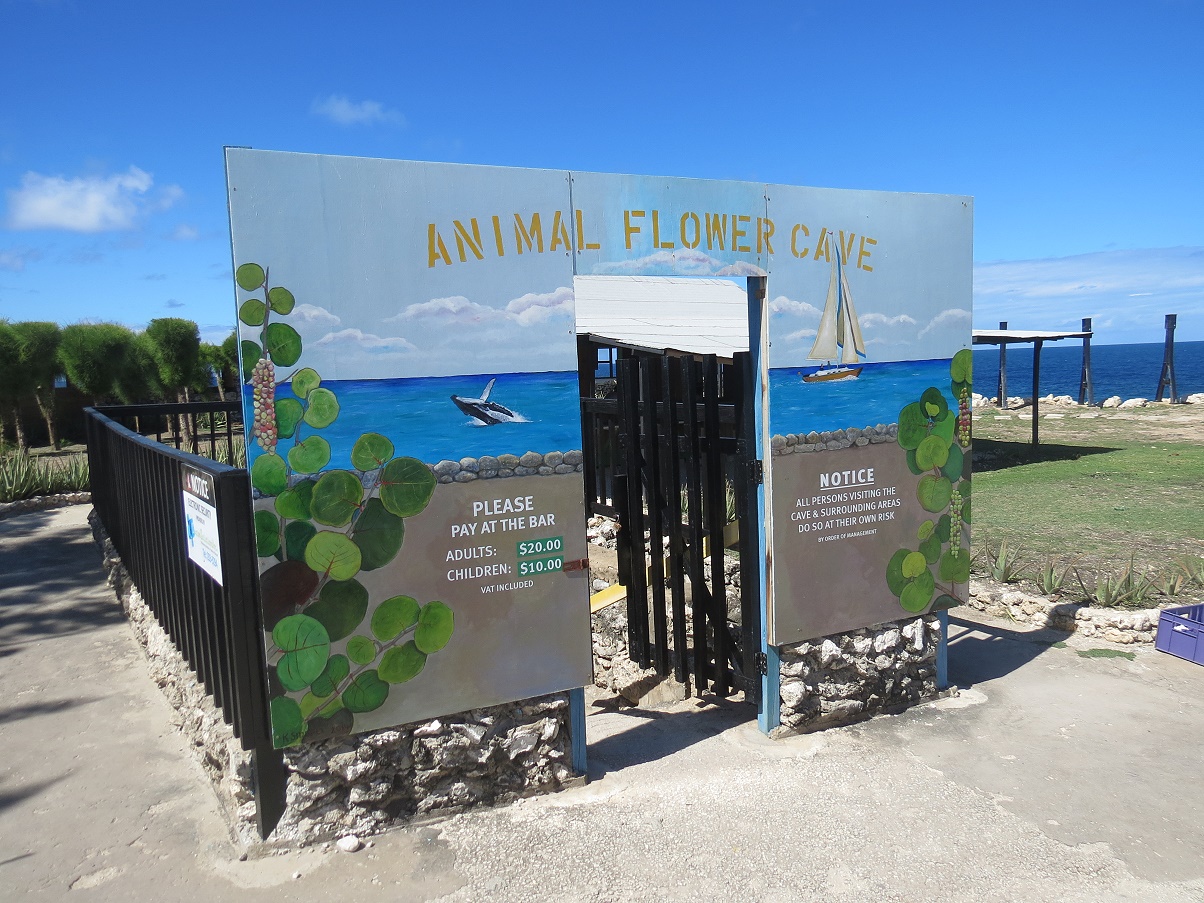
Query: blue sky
{"x": 1077, "y": 127}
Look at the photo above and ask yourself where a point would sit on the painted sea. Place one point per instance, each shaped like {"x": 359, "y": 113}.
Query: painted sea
{"x": 876, "y": 396}
{"x": 1130, "y": 371}
{"x": 418, "y": 415}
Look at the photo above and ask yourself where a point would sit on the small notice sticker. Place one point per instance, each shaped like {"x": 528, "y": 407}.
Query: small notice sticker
{"x": 200, "y": 521}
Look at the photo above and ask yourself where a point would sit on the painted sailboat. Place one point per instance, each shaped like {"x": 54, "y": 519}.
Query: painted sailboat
{"x": 839, "y": 335}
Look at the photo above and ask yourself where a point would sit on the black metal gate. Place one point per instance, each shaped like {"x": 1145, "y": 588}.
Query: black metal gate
{"x": 669, "y": 452}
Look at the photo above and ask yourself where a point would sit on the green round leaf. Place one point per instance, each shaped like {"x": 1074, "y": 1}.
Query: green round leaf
{"x": 930, "y": 548}
{"x": 361, "y": 650}
{"x": 393, "y": 616}
{"x": 934, "y": 401}
{"x": 288, "y": 414}
{"x": 305, "y": 381}
{"x": 340, "y": 608}
{"x": 934, "y": 492}
{"x": 966, "y": 511}
{"x": 281, "y": 299}
{"x": 914, "y": 564}
{"x": 894, "y": 571}
{"x": 401, "y": 663}
{"x": 269, "y": 475}
{"x": 306, "y": 647}
{"x": 267, "y": 534}
{"x": 334, "y": 555}
{"x": 916, "y": 595}
{"x": 942, "y": 528}
{"x": 406, "y": 486}
{"x": 251, "y": 353}
{"x": 288, "y": 724}
{"x": 955, "y": 566}
{"x": 379, "y": 535}
{"x": 296, "y": 537}
{"x": 945, "y": 601}
{"x": 309, "y": 455}
{"x": 283, "y": 344}
{"x": 933, "y": 452}
{"x": 293, "y": 503}
{"x": 944, "y": 426}
{"x": 323, "y": 408}
{"x": 958, "y": 387}
{"x": 252, "y": 312}
{"x": 926, "y": 529}
{"x": 337, "y": 496}
{"x": 912, "y": 465}
{"x": 249, "y": 276}
{"x": 366, "y": 692}
{"x": 435, "y": 626}
{"x": 952, "y": 468}
{"x": 284, "y": 588}
{"x": 961, "y": 368}
{"x": 371, "y": 450}
{"x": 335, "y": 673}
{"x": 913, "y": 426}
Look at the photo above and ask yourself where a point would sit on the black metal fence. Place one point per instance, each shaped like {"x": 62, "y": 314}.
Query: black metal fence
{"x": 138, "y": 489}
{"x": 669, "y": 454}
{"x": 209, "y": 428}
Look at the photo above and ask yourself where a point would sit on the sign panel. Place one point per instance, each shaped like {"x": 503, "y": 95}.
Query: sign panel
{"x": 868, "y": 478}
{"x": 200, "y": 520}
{"x": 414, "y": 436}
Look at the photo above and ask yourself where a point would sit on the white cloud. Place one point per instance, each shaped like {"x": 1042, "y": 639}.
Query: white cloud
{"x": 877, "y": 319}
{"x": 309, "y": 313}
{"x": 184, "y": 232}
{"x": 355, "y": 338}
{"x": 783, "y": 305}
{"x": 15, "y": 259}
{"x": 86, "y": 204}
{"x": 341, "y": 110}
{"x": 532, "y": 308}
{"x": 800, "y": 334}
{"x": 950, "y": 317}
{"x": 453, "y": 309}
{"x": 682, "y": 263}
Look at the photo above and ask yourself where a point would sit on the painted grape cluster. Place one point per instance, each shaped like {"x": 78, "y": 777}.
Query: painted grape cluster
{"x": 937, "y": 441}
{"x": 333, "y": 651}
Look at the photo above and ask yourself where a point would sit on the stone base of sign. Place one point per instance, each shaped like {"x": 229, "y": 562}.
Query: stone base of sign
{"x": 832, "y": 440}
{"x": 369, "y": 782}
{"x": 487, "y": 467}
{"x": 1117, "y": 626}
{"x": 846, "y": 677}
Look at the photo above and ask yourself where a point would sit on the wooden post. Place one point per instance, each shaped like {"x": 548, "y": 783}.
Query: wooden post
{"x": 1003, "y": 370}
{"x": 1086, "y": 389}
{"x": 1036, "y": 384}
{"x": 1167, "y": 377}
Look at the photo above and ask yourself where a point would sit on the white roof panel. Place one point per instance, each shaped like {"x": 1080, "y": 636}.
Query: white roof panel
{"x": 698, "y": 316}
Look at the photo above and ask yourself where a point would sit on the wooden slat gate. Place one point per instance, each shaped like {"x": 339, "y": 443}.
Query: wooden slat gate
{"x": 669, "y": 454}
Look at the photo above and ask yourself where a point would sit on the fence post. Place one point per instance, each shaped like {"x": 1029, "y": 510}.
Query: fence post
{"x": 1167, "y": 377}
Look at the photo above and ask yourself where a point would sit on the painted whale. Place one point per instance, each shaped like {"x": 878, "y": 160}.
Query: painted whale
{"x": 484, "y": 410}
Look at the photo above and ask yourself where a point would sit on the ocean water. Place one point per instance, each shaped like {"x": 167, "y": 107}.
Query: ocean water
{"x": 876, "y": 396}
{"x": 418, "y": 416}
{"x": 1130, "y": 371}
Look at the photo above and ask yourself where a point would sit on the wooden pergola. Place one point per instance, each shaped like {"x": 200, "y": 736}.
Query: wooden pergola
{"x": 1004, "y": 337}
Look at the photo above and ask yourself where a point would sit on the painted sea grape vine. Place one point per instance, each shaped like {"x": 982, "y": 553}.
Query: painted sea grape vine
{"x": 937, "y": 439}
{"x": 329, "y": 659}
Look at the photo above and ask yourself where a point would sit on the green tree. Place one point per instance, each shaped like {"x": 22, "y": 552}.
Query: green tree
{"x": 97, "y": 358}
{"x": 39, "y": 346}
{"x": 14, "y": 379}
{"x": 175, "y": 347}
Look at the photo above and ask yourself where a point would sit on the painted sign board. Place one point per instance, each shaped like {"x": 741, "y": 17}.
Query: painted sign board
{"x": 411, "y": 401}
{"x": 200, "y": 520}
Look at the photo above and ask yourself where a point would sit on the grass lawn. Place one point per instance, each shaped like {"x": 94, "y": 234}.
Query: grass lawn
{"x": 1100, "y": 489}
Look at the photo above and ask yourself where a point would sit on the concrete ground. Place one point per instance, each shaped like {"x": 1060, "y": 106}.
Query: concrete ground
{"x": 1051, "y": 776}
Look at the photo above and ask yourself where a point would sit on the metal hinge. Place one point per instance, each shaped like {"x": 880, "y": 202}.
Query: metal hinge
{"x": 761, "y": 663}
{"x": 757, "y": 474}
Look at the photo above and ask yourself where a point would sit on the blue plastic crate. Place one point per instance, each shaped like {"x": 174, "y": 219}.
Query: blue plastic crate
{"x": 1181, "y": 632}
